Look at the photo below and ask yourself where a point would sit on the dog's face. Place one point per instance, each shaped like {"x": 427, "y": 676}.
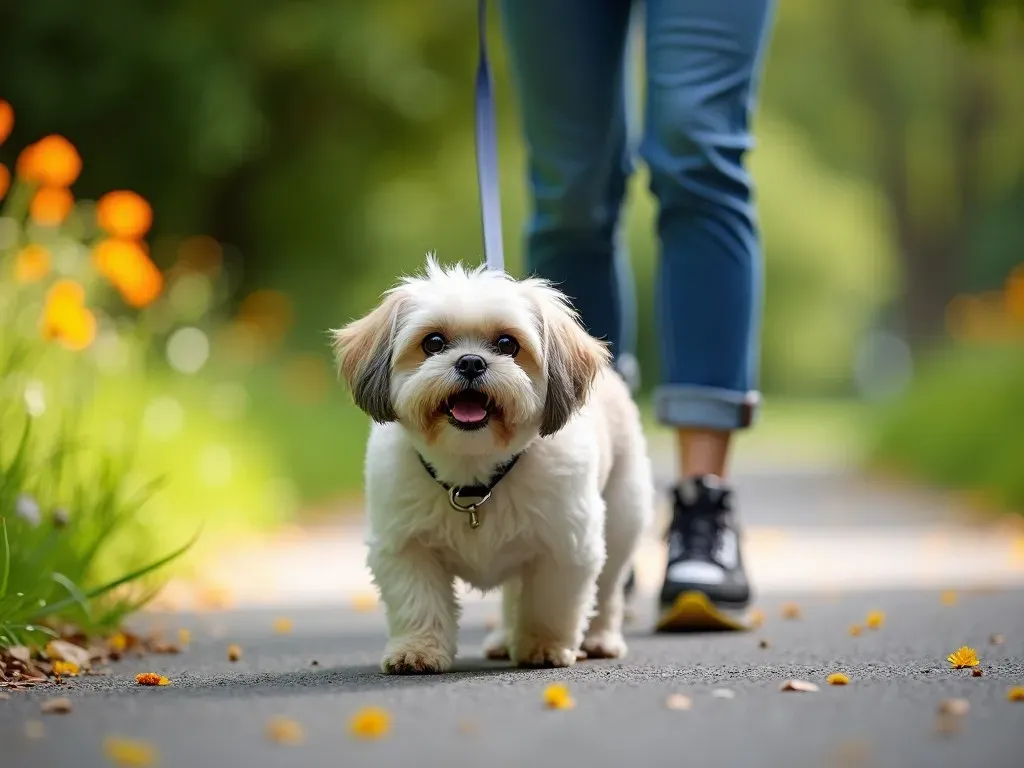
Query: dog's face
{"x": 470, "y": 360}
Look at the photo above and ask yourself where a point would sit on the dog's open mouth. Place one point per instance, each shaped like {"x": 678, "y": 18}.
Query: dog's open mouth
{"x": 468, "y": 409}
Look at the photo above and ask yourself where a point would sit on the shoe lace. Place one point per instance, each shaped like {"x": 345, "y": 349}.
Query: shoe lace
{"x": 696, "y": 530}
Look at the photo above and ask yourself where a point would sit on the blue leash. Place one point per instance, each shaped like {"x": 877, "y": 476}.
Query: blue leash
{"x": 487, "y": 153}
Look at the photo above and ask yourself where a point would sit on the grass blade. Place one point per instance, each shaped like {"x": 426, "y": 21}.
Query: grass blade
{"x": 75, "y": 593}
{"x": 7, "y": 559}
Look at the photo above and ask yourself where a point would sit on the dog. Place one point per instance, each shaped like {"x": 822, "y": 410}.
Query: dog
{"x": 504, "y": 451}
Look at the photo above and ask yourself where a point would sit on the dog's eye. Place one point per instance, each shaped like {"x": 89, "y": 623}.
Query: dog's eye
{"x": 507, "y": 345}
{"x": 433, "y": 344}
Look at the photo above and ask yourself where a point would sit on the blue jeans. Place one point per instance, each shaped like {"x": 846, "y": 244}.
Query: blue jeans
{"x": 703, "y": 61}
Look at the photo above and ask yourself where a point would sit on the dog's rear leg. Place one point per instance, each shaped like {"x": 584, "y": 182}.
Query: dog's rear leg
{"x": 497, "y": 642}
{"x": 629, "y": 499}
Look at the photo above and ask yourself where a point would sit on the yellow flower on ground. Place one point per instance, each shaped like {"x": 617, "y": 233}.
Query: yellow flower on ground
{"x": 234, "y": 652}
{"x": 282, "y": 730}
{"x": 119, "y": 641}
{"x": 65, "y": 317}
{"x": 5, "y": 180}
{"x": 963, "y": 657}
{"x": 557, "y": 696}
{"x": 1016, "y": 693}
{"x": 126, "y": 264}
{"x": 129, "y": 752}
{"x": 282, "y": 625}
{"x": 151, "y": 678}
{"x": 65, "y": 668}
{"x": 948, "y": 597}
{"x": 31, "y": 264}
{"x": 124, "y": 214}
{"x": 52, "y": 161}
{"x": 791, "y": 611}
{"x": 6, "y": 120}
{"x": 837, "y": 678}
{"x": 51, "y": 205}
{"x": 370, "y": 723}
{"x": 855, "y": 630}
{"x": 875, "y": 619}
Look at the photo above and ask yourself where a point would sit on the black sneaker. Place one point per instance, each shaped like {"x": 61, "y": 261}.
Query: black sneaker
{"x": 705, "y": 586}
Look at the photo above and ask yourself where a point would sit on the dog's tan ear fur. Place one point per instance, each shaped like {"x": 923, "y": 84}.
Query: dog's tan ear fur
{"x": 573, "y": 358}
{"x": 363, "y": 349}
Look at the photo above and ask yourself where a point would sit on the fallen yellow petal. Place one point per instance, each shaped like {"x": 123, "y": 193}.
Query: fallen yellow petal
{"x": 963, "y": 657}
{"x": 129, "y": 752}
{"x": 151, "y": 678}
{"x": 370, "y": 723}
{"x": 282, "y": 625}
{"x": 557, "y": 696}
{"x": 948, "y": 597}
{"x": 282, "y": 730}
{"x": 65, "y": 668}
{"x": 791, "y": 611}
{"x": 184, "y": 637}
{"x": 119, "y": 641}
{"x": 855, "y": 630}
{"x": 234, "y": 652}
{"x": 1016, "y": 693}
{"x": 755, "y": 618}
{"x": 837, "y": 678}
{"x": 875, "y": 619}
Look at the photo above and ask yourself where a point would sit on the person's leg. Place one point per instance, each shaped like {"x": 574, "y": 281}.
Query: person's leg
{"x": 567, "y": 67}
{"x": 703, "y": 63}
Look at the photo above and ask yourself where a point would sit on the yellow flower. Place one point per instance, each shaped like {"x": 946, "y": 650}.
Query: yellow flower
{"x": 6, "y": 121}
{"x": 5, "y": 180}
{"x": 855, "y": 630}
{"x": 963, "y": 657}
{"x": 119, "y": 641}
{"x": 52, "y": 161}
{"x": 65, "y": 317}
{"x": 875, "y": 619}
{"x": 234, "y": 652}
{"x": 151, "y": 678}
{"x": 281, "y": 730}
{"x": 129, "y": 752}
{"x": 126, "y": 264}
{"x": 557, "y": 696}
{"x": 124, "y": 214}
{"x": 31, "y": 264}
{"x": 948, "y": 597}
{"x": 370, "y": 723}
{"x": 1016, "y": 693}
{"x": 790, "y": 611}
{"x": 282, "y": 625}
{"x": 51, "y": 205}
{"x": 837, "y": 678}
{"x": 184, "y": 637}
{"x": 65, "y": 668}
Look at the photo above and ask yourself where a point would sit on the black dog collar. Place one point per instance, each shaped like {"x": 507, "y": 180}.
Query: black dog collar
{"x": 469, "y": 498}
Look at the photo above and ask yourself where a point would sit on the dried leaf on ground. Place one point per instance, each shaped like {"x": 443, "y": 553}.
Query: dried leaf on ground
{"x": 996, "y": 639}
{"x": 837, "y": 678}
{"x": 955, "y": 707}
{"x": 282, "y": 730}
{"x": 763, "y": 643}
{"x": 678, "y": 701}
{"x": 963, "y": 657}
{"x": 370, "y": 723}
{"x": 557, "y": 696}
{"x": 151, "y": 678}
{"x": 19, "y": 652}
{"x": 800, "y": 686}
{"x": 129, "y": 752}
{"x": 61, "y": 650}
{"x": 59, "y": 706}
{"x": 977, "y": 672}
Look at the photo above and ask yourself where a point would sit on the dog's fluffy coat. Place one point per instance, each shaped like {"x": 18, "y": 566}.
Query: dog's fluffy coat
{"x": 559, "y": 529}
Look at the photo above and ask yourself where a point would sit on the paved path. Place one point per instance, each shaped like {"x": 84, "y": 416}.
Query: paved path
{"x": 486, "y": 714}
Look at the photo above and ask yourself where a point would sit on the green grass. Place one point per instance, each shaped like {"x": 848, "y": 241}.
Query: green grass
{"x": 961, "y": 425}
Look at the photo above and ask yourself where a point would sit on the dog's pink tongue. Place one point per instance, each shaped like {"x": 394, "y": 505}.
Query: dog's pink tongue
{"x": 468, "y": 413}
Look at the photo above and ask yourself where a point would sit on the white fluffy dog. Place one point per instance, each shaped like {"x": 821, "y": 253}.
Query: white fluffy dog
{"x": 506, "y": 452}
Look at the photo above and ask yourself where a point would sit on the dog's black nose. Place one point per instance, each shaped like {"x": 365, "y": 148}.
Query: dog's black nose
{"x": 471, "y": 366}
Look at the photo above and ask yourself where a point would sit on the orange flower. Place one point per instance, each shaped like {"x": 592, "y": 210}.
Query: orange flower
{"x": 126, "y": 264}
{"x": 31, "y": 264}
{"x": 66, "y": 318}
{"x": 124, "y": 214}
{"x": 51, "y": 205}
{"x": 6, "y": 120}
{"x": 52, "y": 161}
{"x": 5, "y": 180}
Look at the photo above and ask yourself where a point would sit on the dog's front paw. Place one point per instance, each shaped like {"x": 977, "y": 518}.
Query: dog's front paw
{"x": 496, "y": 646}
{"x": 415, "y": 656}
{"x": 604, "y": 645}
{"x": 543, "y": 653}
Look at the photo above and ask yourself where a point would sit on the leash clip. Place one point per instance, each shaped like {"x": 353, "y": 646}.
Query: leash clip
{"x": 454, "y": 498}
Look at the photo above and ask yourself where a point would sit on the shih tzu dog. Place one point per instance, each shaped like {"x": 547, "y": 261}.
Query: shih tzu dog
{"x": 504, "y": 451}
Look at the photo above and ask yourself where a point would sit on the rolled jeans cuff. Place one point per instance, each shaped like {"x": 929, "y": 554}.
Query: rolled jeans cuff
{"x": 679, "y": 405}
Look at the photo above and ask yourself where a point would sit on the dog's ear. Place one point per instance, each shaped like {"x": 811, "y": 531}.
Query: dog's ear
{"x": 363, "y": 350}
{"x": 573, "y": 359}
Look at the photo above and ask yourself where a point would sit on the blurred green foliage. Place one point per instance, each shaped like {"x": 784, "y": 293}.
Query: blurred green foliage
{"x": 972, "y": 17}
